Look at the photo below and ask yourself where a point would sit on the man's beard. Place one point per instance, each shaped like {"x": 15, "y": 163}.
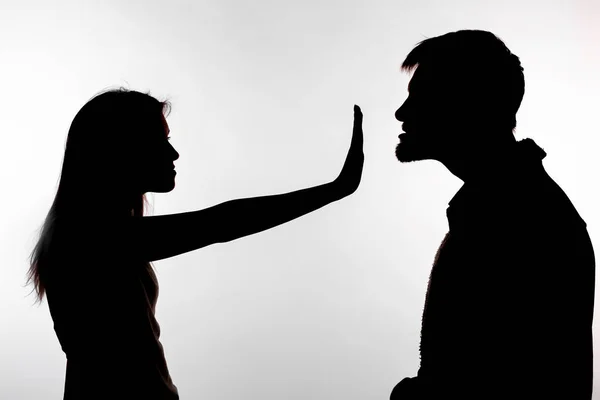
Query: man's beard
{"x": 413, "y": 148}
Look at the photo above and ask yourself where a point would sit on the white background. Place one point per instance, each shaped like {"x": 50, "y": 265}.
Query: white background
{"x": 329, "y": 305}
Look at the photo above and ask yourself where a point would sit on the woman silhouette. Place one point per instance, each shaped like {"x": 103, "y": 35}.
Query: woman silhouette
{"x": 93, "y": 264}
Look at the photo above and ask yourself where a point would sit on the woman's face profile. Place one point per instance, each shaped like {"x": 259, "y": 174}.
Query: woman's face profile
{"x": 156, "y": 167}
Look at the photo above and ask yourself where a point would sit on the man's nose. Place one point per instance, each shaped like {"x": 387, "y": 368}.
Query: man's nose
{"x": 399, "y": 114}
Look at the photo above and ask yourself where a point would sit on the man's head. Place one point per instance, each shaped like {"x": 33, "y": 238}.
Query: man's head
{"x": 463, "y": 97}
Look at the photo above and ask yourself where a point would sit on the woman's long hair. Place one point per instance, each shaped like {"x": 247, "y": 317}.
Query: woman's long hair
{"x": 105, "y": 146}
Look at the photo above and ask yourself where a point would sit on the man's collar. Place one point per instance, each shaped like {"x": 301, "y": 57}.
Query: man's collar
{"x": 526, "y": 154}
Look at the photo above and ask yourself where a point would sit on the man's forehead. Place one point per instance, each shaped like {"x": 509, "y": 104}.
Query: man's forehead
{"x": 412, "y": 84}
{"x": 416, "y": 78}
{"x": 424, "y": 78}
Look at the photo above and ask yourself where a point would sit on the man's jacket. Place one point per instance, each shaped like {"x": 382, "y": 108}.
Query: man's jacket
{"x": 509, "y": 306}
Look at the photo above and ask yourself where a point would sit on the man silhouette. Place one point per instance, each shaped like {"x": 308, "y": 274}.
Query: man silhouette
{"x": 509, "y": 305}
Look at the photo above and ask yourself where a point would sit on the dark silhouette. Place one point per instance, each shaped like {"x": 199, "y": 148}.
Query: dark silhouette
{"x": 509, "y": 305}
{"x": 93, "y": 256}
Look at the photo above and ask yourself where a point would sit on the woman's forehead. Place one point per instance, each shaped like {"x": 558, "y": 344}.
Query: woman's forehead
{"x": 165, "y": 124}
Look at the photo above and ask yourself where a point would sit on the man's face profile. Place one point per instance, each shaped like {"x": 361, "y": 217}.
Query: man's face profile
{"x": 429, "y": 118}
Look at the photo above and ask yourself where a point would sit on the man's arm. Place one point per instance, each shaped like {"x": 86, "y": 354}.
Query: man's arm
{"x": 529, "y": 322}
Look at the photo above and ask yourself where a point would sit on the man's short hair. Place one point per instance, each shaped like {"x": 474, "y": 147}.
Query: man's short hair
{"x": 489, "y": 77}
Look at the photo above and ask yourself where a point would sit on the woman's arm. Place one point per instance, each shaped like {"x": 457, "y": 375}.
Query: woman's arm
{"x": 158, "y": 237}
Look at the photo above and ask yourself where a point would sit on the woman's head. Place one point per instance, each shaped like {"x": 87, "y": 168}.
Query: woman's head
{"x": 118, "y": 143}
{"x": 117, "y": 150}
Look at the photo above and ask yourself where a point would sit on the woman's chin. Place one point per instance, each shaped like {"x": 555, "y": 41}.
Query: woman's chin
{"x": 164, "y": 188}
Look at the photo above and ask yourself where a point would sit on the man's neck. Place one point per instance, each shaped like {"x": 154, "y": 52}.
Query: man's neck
{"x": 491, "y": 163}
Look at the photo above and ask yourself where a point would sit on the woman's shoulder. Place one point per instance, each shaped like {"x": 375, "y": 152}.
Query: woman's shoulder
{"x": 97, "y": 237}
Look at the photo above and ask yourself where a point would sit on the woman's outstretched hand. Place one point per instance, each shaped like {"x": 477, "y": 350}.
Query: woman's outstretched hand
{"x": 165, "y": 236}
{"x": 349, "y": 178}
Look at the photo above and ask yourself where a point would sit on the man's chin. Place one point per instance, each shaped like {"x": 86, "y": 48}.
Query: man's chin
{"x": 406, "y": 154}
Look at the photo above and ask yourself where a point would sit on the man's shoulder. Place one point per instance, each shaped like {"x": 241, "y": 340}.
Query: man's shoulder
{"x": 534, "y": 205}
{"x": 543, "y": 198}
